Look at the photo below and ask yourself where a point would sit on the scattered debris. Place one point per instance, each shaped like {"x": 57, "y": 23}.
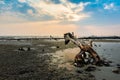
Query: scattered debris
{"x": 95, "y": 45}
{"x": 104, "y": 49}
{"x": 110, "y": 61}
{"x": 118, "y": 65}
{"x": 117, "y": 71}
{"x": 106, "y": 64}
{"x": 99, "y": 45}
{"x": 24, "y": 49}
{"x": 21, "y": 49}
{"x": 57, "y": 46}
{"x": 79, "y": 71}
{"x": 28, "y": 49}
{"x": 43, "y": 50}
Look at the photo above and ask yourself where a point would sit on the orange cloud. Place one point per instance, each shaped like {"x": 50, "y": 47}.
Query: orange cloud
{"x": 103, "y": 30}
{"x": 37, "y": 28}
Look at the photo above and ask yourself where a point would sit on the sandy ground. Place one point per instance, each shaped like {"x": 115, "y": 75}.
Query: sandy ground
{"x": 46, "y": 60}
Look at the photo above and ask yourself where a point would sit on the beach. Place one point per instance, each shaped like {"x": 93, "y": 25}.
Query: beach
{"x": 53, "y": 60}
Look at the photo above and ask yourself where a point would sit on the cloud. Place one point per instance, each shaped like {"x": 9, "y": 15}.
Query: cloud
{"x": 30, "y": 11}
{"x": 22, "y": 1}
{"x": 36, "y": 29}
{"x": 103, "y": 30}
{"x": 11, "y": 17}
{"x": 64, "y": 11}
{"x": 2, "y": 2}
{"x": 5, "y": 7}
{"x": 44, "y": 10}
{"x": 47, "y": 28}
{"x": 109, "y": 6}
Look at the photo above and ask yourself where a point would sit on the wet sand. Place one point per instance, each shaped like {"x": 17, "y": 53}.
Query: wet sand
{"x": 46, "y": 60}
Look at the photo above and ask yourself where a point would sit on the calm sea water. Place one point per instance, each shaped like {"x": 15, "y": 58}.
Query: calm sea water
{"x": 110, "y": 51}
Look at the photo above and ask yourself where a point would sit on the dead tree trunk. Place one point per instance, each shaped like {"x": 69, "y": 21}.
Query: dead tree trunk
{"x": 79, "y": 59}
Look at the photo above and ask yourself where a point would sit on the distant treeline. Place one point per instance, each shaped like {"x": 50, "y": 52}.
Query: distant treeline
{"x": 94, "y": 37}
{"x": 56, "y": 38}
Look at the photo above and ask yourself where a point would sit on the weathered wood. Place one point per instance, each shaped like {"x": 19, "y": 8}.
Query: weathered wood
{"x": 79, "y": 59}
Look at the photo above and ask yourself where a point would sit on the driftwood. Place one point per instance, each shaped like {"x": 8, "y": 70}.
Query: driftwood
{"x": 84, "y": 48}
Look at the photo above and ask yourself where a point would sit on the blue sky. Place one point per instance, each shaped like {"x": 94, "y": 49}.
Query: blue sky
{"x": 45, "y": 17}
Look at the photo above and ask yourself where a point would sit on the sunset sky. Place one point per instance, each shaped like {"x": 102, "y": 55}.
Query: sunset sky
{"x": 56, "y": 17}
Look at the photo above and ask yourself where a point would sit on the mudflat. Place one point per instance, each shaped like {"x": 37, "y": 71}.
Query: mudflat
{"x": 46, "y": 60}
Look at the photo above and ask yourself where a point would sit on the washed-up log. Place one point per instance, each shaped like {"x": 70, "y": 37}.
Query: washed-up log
{"x": 80, "y": 57}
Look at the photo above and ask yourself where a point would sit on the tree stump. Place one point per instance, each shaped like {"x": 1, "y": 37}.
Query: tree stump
{"x": 81, "y": 56}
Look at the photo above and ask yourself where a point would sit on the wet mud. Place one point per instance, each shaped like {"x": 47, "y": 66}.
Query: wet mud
{"x": 52, "y": 60}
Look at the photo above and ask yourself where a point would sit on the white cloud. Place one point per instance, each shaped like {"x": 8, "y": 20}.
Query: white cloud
{"x": 109, "y": 6}
{"x": 2, "y": 2}
{"x": 11, "y": 17}
{"x": 63, "y": 11}
{"x": 22, "y": 1}
{"x": 6, "y": 7}
{"x": 30, "y": 11}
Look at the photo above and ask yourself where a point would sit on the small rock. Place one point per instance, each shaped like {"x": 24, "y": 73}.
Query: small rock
{"x": 104, "y": 49}
{"x": 118, "y": 65}
{"x": 79, "y": 71}
{"x": 110, "y": 62}
{"x": 28, "y": 49}
{"x": 100, "y": 63}
{"x": 57, "y": 47}
{"x": 43, "y": 50}
{"x": 106, "y": 64}
{"x": 21, "y": 49}
{"x": 78, "y": 64}
{"x": 99, "y": 45}
{"x": 117, "y": 71}
{"x": 95, "y": 45}
{"x": 90, "y": 68}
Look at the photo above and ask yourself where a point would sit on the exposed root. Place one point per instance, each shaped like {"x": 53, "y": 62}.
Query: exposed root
{"x": 82, "y": 58}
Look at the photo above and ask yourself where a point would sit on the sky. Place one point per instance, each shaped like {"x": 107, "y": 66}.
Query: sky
{"x": 56, "y": 17}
